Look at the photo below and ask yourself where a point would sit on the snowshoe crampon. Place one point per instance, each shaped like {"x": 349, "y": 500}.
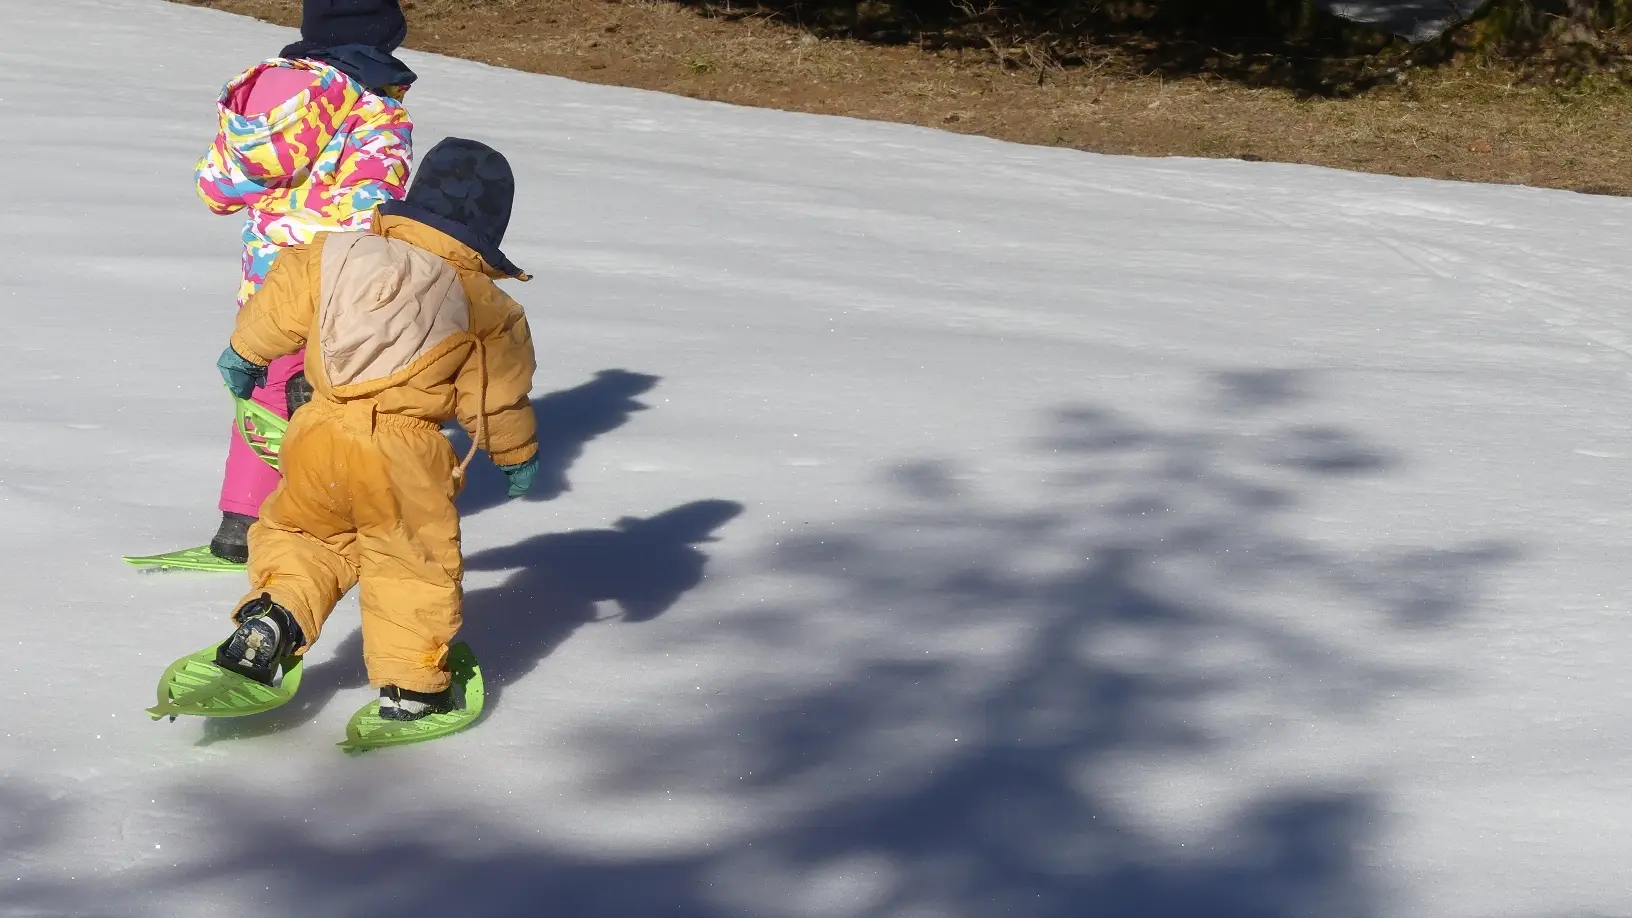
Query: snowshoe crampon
{"x": 194, "y": 685}
{"x": 187, "y": 559}
{"x": 367, "y": 730}
{"x": 260, "y": 428}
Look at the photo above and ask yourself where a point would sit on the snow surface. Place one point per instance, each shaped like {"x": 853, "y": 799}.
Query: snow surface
{"x": 1415, "y": 20}
{"x": 931, "y": 526}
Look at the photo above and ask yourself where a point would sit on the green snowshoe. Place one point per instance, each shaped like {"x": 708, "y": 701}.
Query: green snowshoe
{"x": 263, "y": 431}
{"x": 187, "y": 559}
{"x": 195, "y": 685}
{"x": 368, "y": 730}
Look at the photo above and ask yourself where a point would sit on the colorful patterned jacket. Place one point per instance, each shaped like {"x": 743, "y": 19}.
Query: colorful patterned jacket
{"x": 321, "y": 159}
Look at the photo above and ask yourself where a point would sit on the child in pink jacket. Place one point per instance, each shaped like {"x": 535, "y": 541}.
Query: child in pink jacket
{"x": 310, "y": 141}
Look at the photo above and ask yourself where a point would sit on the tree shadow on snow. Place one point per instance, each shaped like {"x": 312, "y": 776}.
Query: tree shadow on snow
{"x": 1090, "y": 685}
{"x": 567, "y": 421}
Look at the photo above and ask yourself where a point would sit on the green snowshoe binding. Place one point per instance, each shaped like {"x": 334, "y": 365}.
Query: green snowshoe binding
{"x": 253, "y": 670}
{"x": 260, "y": 428}
{"x": 368, "y": 730}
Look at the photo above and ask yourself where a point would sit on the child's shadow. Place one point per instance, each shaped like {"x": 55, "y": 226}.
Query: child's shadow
{"x": 567, "y": 421}
{"x": 643, "y": 565}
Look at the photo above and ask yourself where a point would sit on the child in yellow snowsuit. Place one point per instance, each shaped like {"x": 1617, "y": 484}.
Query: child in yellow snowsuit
{"x": 403, "y": 329}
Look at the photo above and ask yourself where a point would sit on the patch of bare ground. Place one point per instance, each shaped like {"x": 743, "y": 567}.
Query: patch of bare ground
{"x": 1463, "y": 120}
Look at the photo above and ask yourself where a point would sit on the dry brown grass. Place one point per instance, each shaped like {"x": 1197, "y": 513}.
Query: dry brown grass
{"x": 1475, "y": 122}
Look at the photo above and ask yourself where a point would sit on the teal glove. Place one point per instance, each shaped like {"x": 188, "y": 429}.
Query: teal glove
{"x": 520, "y": 475}
{"x": 242, "y": 376}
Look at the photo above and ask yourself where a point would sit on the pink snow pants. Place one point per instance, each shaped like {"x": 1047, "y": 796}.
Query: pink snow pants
{"x": 248, "y": 479}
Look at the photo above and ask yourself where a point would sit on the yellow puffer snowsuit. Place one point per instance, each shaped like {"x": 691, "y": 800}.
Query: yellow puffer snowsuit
{"x": 407, "y": 330}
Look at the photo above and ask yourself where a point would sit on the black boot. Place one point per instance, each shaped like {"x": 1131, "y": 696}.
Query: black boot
{"x": 402, "y": 704}
{"x": 267, "y": 634}
{"x": 231, "y": 542}
{"x": 296, "y": 392}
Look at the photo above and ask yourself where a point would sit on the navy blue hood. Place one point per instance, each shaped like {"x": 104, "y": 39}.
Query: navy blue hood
{"x": 373, "y": 68}
{"x": 465, "y": 189}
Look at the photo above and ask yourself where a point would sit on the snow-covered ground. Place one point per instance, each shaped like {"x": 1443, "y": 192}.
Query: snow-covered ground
{"x": 932, "y": 528}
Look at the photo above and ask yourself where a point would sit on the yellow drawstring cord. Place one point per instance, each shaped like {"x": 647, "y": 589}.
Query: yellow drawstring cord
{"x": 480, "y": 440}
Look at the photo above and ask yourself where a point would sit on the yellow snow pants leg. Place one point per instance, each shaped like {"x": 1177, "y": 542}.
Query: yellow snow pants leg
{"x": 366, "y": 497}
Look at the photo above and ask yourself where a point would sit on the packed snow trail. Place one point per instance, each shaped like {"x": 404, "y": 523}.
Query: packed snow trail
{"x": 928, "y": 526}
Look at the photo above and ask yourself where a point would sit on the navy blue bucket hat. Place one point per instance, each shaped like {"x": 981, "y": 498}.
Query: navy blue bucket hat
{"x": 379, "y": 24}
{"x": 465, "y": 189}
{"x": 356, "y": 36}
